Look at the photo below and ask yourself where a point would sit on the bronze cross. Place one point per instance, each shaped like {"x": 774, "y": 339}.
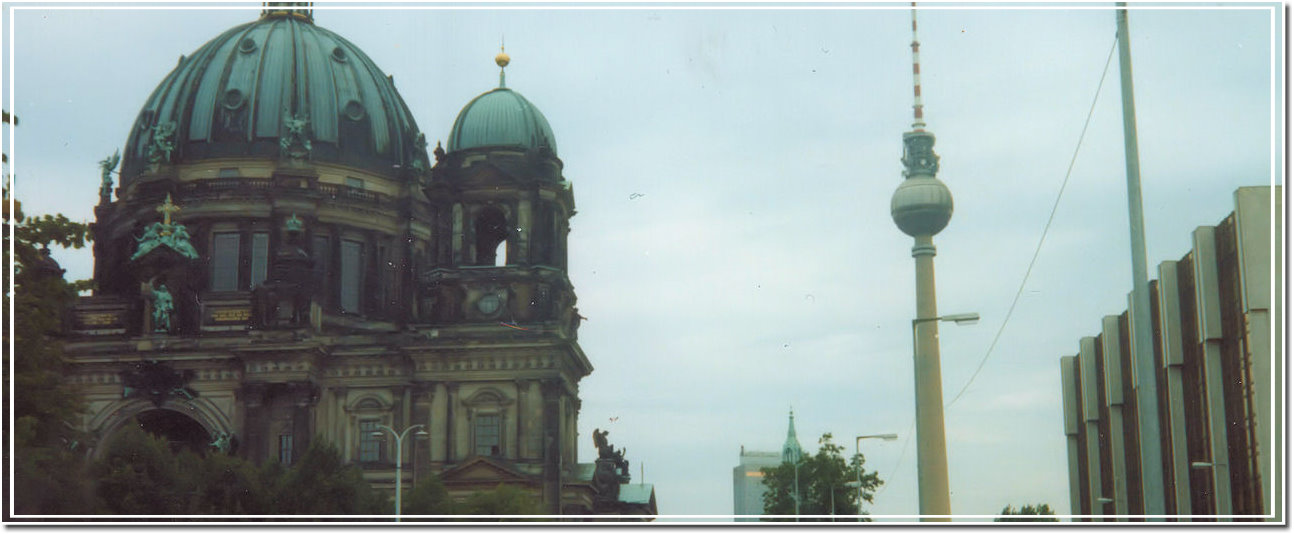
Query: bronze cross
{"x": 166, "y": 209}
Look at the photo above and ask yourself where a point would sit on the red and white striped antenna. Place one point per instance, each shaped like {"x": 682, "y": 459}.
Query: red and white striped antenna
{"x": 919, "y": 123}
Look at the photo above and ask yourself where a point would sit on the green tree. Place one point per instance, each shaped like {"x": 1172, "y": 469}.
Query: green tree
{"x": 320, "y": 483}
{"x": 48, "y": 450}
{"x": 428, "y": 497}
{"x": 1028, "y": 512}
{"x": 228, "y": 485}
{"x": 502, "y": 500}
{"x": 139, "y": 475}
{"x": 826, "y": 482}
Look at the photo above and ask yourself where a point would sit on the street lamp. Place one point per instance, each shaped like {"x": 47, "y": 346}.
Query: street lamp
{"x": 399, "y": 457}
{"x": 960, "y": 319}
{"x": 932, "y": 453}
{"x": 857, "y": 452}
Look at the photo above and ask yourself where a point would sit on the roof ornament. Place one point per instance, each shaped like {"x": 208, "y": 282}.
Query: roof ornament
{"x": 293, "y": 224}
{"x": 105, "y": 169}
{"x": 173, "y": 235}
{"x": 298, "y": 10}
{"x": 294, "y": 143}
{"x": 502, "y": 61}
{"x": 161, "y": 145}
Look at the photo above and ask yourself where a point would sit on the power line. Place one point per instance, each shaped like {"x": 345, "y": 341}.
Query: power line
{"x": 1045, "y": 228}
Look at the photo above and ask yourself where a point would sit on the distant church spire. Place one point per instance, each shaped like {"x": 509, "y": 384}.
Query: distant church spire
{"x": 791, "y": 451}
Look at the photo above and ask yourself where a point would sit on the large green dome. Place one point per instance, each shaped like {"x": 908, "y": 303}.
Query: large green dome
{"x": 501, "y": 118}
{"x": 233, "y": 97}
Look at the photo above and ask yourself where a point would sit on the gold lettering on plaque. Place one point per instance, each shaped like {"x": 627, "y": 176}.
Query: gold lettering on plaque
{"x": 228, "y": 315}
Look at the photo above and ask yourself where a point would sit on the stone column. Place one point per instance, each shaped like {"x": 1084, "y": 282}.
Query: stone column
{"x": 552, "y": 445}
{"x": 452, "y": 416}
{"x": 304, "y": 396}
{"x": 520, "y": 452}
{"x": 254, "y": 425}
{"x": 438, "y": 445}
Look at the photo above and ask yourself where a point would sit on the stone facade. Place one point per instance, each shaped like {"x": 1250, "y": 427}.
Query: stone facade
{"x": 336, "y": 291}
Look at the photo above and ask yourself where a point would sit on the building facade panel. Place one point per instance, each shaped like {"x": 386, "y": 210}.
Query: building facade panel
{"x": 1212, "y": 350}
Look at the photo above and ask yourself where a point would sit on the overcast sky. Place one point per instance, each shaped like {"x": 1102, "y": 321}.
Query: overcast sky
{"x": 733, "y": 169}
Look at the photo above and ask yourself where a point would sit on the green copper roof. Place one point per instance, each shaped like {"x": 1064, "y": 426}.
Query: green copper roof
{"x": 501, "y": 118}
{"x": 237, "y": 94}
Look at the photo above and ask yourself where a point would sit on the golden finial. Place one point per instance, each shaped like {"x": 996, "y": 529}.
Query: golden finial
{"x": 502, "y": 61}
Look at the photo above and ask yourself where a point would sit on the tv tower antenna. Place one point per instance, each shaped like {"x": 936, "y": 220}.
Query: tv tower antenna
{"x": 919, "y": 122}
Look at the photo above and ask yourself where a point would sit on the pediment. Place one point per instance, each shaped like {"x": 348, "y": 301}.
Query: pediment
{"x": 482, "y": 469}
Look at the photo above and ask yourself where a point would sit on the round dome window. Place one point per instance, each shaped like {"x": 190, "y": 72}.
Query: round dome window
{"x": 354, "y": 110}
{"x": 338, "y": 54}
{"x": 232, "y": 100}
{"x": 247, "y": 46}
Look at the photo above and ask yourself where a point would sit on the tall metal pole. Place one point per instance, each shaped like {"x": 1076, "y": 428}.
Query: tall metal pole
{"x": 1152, "y": 471}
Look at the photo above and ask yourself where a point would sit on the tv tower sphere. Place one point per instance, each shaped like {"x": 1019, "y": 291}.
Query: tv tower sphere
{"x": 922, "y": 205}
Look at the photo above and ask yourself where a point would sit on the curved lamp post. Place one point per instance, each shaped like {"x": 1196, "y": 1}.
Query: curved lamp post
{"x": 858, "y": 451}
{"x": 399, "y": 457}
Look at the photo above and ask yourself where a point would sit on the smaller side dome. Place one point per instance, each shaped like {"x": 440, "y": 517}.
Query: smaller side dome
{"x": 501, "y": 118}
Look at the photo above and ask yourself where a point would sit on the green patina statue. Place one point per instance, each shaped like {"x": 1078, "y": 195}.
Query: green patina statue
{"x": 221, "y": 442}
{"x": 163, "y": 306}
{"x": 105, "y": 169}
{"x": 420, "y": 162}
{"x": 159, "y": 150}
{"x": 293, "y": 224}
{"x": 173, "y": 235}
{"x": 294, "y": 143}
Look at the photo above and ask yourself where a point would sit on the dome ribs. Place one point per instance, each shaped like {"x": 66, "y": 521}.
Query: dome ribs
{"x": 274, "y": 89}
{"x": 231, "y": 97}
{"x": 320, "y": 88}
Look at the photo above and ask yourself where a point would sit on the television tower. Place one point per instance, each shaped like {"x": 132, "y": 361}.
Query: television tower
{"x": 921, "y": 207}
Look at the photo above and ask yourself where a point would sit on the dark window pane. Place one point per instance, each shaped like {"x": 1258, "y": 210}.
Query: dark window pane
{"x": 224, "y": 262}
{"x": 370, "y": 449}
{"x": 260, "y": 257}
{"x": 285, "y": 449}
{"x": 319, "y": 252}
{"x": 486, "y": 435}
{"x": 351, "y": 270}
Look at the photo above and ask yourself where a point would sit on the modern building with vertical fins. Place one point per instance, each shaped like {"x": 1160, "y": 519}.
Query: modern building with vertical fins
{"x": 1217, "y": 322}
{"x": 284, "y": 261}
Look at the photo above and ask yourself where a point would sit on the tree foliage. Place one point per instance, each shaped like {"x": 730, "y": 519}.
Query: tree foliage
{"x": 822, "y": 483}
{"x": 1028, "y": 512}
{"x": 429, "y": 497}
{"x": 502, "y": 500}
{"x": 139, "y": 474}
{"x": 321, "y": 483}
{"x": 48, "y": 449}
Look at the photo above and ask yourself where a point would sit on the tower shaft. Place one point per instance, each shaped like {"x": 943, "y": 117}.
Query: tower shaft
{"x": 932, "y": 455}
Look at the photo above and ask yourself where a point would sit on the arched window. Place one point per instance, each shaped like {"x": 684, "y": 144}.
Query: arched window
{"x": 491, "y": 237}
{"x": 487, "y": 413}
